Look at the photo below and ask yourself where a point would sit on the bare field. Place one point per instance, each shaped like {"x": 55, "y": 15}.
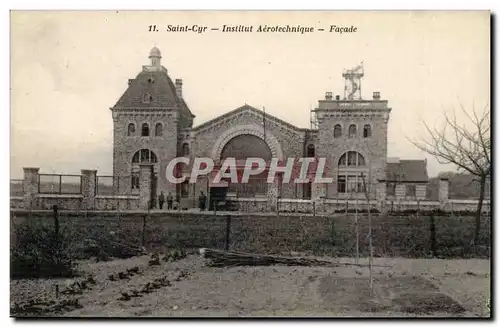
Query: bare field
{"x": 189, "y": 288}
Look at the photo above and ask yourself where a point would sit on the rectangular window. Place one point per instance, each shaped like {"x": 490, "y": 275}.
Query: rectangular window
{"x": 352, "y": 184}
{"x": 411, "y": 190}
{"x": 341, "y": 185}
{"x": 361, "y": 186}
{"x": 135, "y": 181}
{"x": 391, "y": 189}
{"x": 307, "y": 191}
{"x": 185, "y": 189}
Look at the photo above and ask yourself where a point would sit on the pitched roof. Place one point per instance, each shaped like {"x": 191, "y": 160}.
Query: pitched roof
{"x": 154, "y": 84}
{"x": 249, "y": 108}
{"x": 407, "y": 171}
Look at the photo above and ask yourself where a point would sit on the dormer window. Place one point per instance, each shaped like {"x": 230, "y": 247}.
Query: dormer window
{"x": 147, "y": 98}
{"x": 151, "y": 80}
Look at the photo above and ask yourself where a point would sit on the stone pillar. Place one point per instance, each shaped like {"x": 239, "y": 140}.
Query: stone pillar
{"x": 88, "y": 188}
{"x": 318, "y": 193}
{"x": 444, "y": 184}
{"x": 145, "y": 185}
{"x": 272, "y": 194}
{"x": 30, "y": 186}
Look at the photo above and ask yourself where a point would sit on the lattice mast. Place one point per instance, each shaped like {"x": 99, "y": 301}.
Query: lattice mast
{"x": 352, "y": 77}
{"x": 313, "y": 120}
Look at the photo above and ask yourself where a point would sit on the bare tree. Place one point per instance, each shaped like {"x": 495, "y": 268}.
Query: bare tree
{"x": 468, "y": 147}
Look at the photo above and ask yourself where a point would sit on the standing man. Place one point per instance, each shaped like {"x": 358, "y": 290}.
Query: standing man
{"x": 161, "y": 200}
{"x": 170, "y": 201}
{"x": 202, "y": 201}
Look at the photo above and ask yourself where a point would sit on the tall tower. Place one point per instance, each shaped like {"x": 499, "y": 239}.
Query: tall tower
{"x": 146, "y": 123}
{"x": 352, "y": 136}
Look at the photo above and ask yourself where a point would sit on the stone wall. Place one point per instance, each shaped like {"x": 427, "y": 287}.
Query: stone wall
{"x": 88, "y": 200}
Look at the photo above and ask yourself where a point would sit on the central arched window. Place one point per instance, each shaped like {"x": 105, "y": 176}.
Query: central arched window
{"x": 351, "y": 159}
{"x": 145, "y": 130}
{"x": 352, "y": 131}
{"x": 337, "y": 131}
{"x": 144, "y": 156}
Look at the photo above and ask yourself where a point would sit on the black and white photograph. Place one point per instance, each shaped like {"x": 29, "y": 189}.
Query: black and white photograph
{"x": 230, "y": 164}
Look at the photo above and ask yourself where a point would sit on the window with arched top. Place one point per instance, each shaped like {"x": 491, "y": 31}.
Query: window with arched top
{"x": 367, "y": 131}
{"x": 352, "y": 131}
{"x": 351, "y": 180}
{"x": 131, "y": 129}
{"x": 159, "y": 129}
{"x": 145, "y": 130}
{"x": 337, "y": 131}
{"x": 310, "y": 150}
{"x": 351, "y": 159}
{"x": 185, "y": 150}
{"x": 144, "y": 156}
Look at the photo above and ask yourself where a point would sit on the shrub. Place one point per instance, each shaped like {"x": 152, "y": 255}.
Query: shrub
{"x": 39, "y": 252}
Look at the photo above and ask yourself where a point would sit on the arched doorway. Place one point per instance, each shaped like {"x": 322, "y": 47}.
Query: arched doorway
{"x": 242, "y": 147}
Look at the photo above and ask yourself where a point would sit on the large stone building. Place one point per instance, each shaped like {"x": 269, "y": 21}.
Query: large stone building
{"x": 153, "y": 125}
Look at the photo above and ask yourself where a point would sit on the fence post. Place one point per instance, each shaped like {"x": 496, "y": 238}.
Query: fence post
{"x": 143, "y": 238}
{"x": 433, "y": 235}
{"x": 56, "y": 220}
{"x": 277, "y": 206}
{"x": 228, "y": 232}
{"x": 314, "y": 208}
{"x": 333, "y": 231}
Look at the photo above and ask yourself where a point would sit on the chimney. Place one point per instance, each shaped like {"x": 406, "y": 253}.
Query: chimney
{"x": 328, "y": 95}
{"x": 376, "y": 95}
{"x": 178, "y": 88}
{"x": 337, "y": 97}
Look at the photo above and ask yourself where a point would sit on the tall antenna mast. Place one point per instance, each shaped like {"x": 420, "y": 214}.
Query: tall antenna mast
{"x": 352, "y": 90}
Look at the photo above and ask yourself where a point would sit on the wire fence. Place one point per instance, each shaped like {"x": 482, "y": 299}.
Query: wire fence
{"x": 59, "y": 184}
{"x": 418, "y": 236}
{"x": 117, "y": 185}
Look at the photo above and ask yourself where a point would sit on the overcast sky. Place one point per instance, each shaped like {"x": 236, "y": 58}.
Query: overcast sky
{"x": 69, "y": 68}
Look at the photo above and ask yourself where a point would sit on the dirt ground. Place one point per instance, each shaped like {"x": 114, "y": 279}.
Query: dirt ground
{"x": 189, "y": 288}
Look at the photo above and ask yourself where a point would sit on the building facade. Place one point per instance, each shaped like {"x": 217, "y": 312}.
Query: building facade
{"x": 152, "y": 124}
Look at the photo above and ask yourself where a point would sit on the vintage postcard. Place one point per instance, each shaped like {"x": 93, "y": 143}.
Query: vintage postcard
{"x": 250, "y": 164}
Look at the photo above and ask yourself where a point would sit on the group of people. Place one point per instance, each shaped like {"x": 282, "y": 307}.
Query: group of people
{"x": 171, "y": 205}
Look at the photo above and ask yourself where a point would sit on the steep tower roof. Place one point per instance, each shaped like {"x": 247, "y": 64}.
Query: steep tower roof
{"x": 153, "y": 88}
